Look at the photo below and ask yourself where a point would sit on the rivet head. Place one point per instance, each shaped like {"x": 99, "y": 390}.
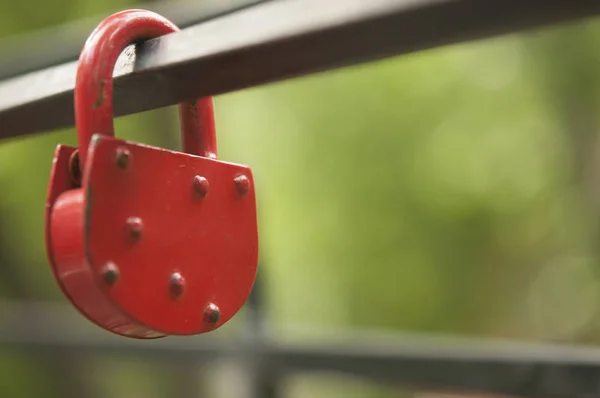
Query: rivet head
{"x": 135, "y": 227}
{"x": 201, "y": 186}
{"x": 176, "y": 284}
{"x": 212, "y": 314}
{"x": 123, "y": 157}
{"x": 242, "y": 184}
{"x": 110, "y": 273}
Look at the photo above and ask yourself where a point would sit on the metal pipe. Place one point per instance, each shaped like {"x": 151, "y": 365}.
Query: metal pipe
{"x": 269, "y": 42}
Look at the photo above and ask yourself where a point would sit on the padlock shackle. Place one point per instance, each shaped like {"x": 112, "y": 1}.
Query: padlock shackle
{"x": 94, "y": 83}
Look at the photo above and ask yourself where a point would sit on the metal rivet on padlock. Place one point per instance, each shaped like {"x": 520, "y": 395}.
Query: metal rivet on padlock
{"x": 212, "y": 314}
{"x": 110, "y": 273}
{"x": 127, "y": 285}
{"x": 177, "y": 284}
{"x": 242, "y": 184}
{"x": 123, "y": 157}
{"x": 135, "y": 226}
{"x": 201, "y": 186}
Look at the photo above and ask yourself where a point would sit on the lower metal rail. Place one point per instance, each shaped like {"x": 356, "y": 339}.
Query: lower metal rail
{"x": 424, "y": 362}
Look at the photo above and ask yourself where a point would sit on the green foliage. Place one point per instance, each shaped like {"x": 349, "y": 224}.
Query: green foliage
{"x": 392, "y": 191}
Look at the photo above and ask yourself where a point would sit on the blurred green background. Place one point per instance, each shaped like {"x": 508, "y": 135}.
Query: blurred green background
{"x": 454, "y": 190}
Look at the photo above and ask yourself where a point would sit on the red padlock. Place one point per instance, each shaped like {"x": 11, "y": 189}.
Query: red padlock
{"x": 147, "y": 242}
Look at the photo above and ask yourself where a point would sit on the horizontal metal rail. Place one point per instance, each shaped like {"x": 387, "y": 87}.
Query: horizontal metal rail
{"x": 30, "y": 52}
{"x": 501, "y": 367}
{"x": 270, "y": 42}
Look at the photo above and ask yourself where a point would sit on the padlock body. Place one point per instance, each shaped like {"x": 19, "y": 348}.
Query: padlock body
{"x": 208, "y": 237}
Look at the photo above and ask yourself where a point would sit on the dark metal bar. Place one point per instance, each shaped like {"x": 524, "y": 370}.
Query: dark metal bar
{"x": 30, "y": 52}
{"x": 270, "y": 42}
{"x": 545, "y": 372}
{"x": 264, "y": 382}
{"x": 524, "y": 369}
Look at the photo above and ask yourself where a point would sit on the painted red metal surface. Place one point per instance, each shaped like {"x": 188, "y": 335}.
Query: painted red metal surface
{"x": 147, "y": 242}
